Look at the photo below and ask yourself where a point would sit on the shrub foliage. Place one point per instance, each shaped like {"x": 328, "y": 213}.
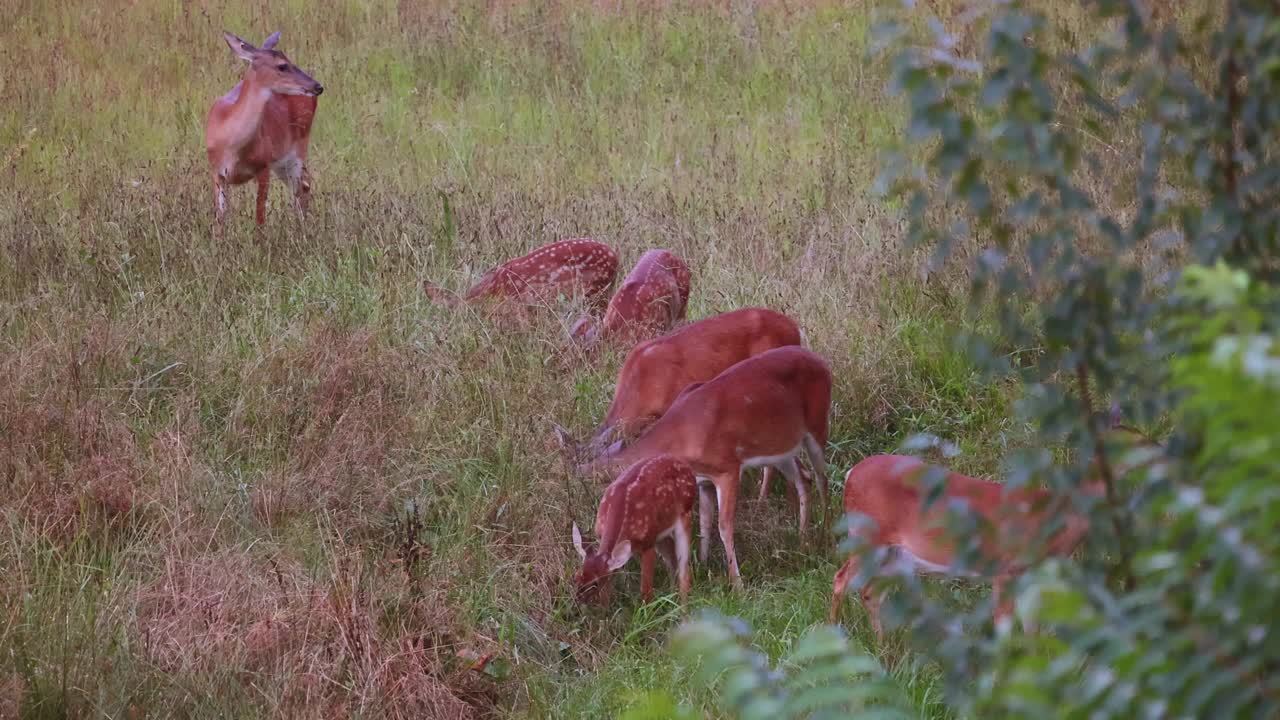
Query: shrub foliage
{"x": 1167, "y": 308}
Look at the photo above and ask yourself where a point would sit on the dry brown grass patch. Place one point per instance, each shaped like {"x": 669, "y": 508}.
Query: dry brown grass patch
{"x": 69, "y": 457}
{"x": 335, "y": 406}
{"x": 12, "y": 688}
{"x": 317, "y": 647}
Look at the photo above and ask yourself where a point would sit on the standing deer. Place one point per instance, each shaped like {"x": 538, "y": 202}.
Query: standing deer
{"x": 565, "y": 267}
{"x": 885, "y": 488}
{"x": 649, "y": 507}
{"x": 766, "y": 410}
{"x": 262, "y": 126}
{"x": 649, "y": 302}
{"x": 656, "y": 371}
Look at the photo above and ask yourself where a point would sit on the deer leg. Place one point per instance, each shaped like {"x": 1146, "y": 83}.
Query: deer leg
{"x": 1003, "y": 612}
{"x": 303, "y": 197}
{"x": 667, "y": 551}
{"x": 293, "y": 172}
{"x": 264, "y": 182}
{"x": 727, "y": 494}
{"x": 684, "y": 529}
{"x": 872, "y": 600}
{"x": 219, "y": 197}
{"x": 819, "y": 462}
{"x": 706, "y": 508}
{"x": 793, "y": 498}
{"x": 765, "y": 476}
{"x": 840, "y": 584}
{"x": 791, "y": 469}
{"x": 646, "y": 575}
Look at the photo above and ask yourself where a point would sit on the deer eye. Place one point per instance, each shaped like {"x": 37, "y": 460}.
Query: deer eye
{"x": 282, "y": 67}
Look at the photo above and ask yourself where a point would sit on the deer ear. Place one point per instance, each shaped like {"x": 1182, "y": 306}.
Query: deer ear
{"x": 569, "y": 447}
{"x": 242, "y": 49}
{"x": 271, "y": 40}
{"x": 621, "y": 554}
{"x": 583, "y": 330}
{"x": 577, "y": 541}
{"x": 562, "y": 437}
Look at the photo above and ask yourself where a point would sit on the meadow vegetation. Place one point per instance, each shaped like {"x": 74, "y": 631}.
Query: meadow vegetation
{"x": 258, "y": 474}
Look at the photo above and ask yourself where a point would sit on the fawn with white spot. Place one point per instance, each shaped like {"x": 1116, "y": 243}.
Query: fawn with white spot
{"x": 567, "y": 267}
{"x": 648, "y": 508}
{"x": 650, "y": 301}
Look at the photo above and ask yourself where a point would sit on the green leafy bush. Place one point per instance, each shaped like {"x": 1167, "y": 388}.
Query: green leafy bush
{"x": 822, "y": 677}
{"x": 1116, "y": 208}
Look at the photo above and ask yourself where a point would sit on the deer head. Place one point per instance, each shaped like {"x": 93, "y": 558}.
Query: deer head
{"x": 593, "y": 580}
{"x": 271, "y": 69}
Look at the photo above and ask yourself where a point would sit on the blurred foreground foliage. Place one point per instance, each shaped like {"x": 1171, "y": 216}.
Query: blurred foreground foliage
{"x": 1169, "y": 309}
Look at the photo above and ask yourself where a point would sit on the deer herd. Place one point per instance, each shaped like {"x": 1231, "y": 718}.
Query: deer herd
{"x": 694, "y": 405}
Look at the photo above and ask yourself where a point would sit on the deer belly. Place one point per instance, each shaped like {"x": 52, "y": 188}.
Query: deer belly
{"x": 904, "y": 561}
{"x": 772, "y": 460}
{"x": 242, "y": 173}
{"x": 288, "y": 166}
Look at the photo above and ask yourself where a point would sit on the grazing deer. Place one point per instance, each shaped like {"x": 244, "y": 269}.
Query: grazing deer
{"x": 765, "y": 410}
{"x": 885, "y": 488}
{"x": 768, "y": 470}
{"x": 651, "y": 299}
{"x": 656, "y": 371}
{"x": 649, "y": 507}
{"x": 565, "y": 267}
{"x": 262, "y": 125}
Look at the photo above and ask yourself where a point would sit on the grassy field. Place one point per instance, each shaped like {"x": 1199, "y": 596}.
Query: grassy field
{"x": 259, "y": 475}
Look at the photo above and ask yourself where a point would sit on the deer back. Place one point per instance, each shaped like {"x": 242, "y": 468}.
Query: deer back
{"x": 760, "y": 407}
{"x": 650, "y": 300}
{"x": 889, "y": 489}
{"x": 656, "y": 371}
{"x": 567, "y": 266}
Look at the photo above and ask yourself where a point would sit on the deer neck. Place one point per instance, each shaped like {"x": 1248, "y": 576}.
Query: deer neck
{"x": 483, "y": 285}
{"x": 247, "y": 112}
{"x": 608, "y": 532}
{"x": 609, "y": 460}
{"x": 617, "y": 457}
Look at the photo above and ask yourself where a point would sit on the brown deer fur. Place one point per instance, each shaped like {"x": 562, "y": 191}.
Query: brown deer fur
{"x": 765, "y": 410}
{"x": 649, "y": 507}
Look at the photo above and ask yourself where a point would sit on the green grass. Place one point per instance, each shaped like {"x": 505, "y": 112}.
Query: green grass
{"x": 211, "y": 442}
{"x": 779, "y": 611}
